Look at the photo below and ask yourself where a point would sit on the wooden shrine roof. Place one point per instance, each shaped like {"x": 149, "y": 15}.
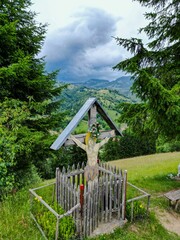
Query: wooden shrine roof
{"x": 78, "y": 117}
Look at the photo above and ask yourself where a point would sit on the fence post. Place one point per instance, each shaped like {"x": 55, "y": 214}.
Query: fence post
{"x": 124, "y": 195}
{"x": 57, "y": 185}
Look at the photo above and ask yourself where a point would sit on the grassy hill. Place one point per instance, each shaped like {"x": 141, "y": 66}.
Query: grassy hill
{"x": 122, "y": 85}
{"x": 148, "y": 172}
{"x": 75, "y": 96}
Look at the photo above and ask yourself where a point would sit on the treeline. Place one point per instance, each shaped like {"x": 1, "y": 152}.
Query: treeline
{"x": 30, "y": 115}
{"x": 28, "y": 109}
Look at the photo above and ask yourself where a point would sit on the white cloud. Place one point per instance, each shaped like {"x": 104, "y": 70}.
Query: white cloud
{"x": 79, "y": 38}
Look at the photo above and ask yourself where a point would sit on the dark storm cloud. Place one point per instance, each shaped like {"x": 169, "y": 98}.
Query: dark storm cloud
{"x": 84, "y": 49}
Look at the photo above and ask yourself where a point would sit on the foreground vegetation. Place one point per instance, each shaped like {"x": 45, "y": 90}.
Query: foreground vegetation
{"x": 149, "y": 172}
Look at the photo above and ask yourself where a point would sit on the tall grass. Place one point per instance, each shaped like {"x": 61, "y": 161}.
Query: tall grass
{"x": 15, "y": 221}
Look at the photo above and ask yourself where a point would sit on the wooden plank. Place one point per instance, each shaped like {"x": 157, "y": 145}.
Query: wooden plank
{"x": 106, "y": 200}
{"x": 85, "y": 212}
{"x": 88, "y": 212}
{"x": 78, "y": 217}
{"x": 81, "y": 137}
{"x": 102, "y": 199}
{"x": 124, "y": 195}
{"x": 73, "y": 169}
{"x": 110, "y": 198}
{"x": 74, "y": 200}
{"x": 91, "y": 213}
{"x": 92, "y": 115}
{"x": 78, "y": 176}
{"x": 119, "y": 190}
{"x": 58, "y": 185}
{"x": 68, "y": 194}
{"x": 97, "y": 205}
{"x": 115, "y": 192}
{"x": 173, "y": 195}
{"x": 93, "y": 208}
{"x": 105, "y": 171}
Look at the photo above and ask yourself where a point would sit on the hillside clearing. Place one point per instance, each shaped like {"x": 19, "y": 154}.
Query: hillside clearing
{"x": 149, "y": 165}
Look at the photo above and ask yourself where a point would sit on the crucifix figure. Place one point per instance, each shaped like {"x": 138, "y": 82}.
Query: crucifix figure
{"x": 92, "y": 148}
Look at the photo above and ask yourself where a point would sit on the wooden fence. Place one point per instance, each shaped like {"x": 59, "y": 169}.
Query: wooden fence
{"x": 105, "y": 200}
{"x": 89, "y": 209}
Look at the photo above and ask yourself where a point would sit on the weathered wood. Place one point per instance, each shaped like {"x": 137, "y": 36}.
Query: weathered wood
{"x": 58, "y": 185}
{"x": 119, "y": 194}
{"x": 106, "y": 200}
{"x": 124, "y": 196}
{"x": 173, "y": 196}
{"x": 91, "y": 103}
{"x": 73, "y": 170}
{"x": 110, "y": 198}
{"x": 115, "y": 192}
{"x": 85, "y": 212}
{"x": 81, "y": 137}
{"x": 100, "y": 201}
{"x": 88, "y": 213}
{"x": 92, "y": 115}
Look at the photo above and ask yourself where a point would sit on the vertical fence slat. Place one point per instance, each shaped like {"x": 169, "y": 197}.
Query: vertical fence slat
{"x": 88, "y": 212}
{"x": 57, "y": 186}
{"x": 102, "y": 199}
{"x": 106, "y": 199}
{"x": 110, "y": 198}
{"x": 96, "y": 206}
{"x": 85, "y": 213}
{"x": 119, "y": 196}
{"x": 124, "y": 195}
{"x": 78, "y": 175}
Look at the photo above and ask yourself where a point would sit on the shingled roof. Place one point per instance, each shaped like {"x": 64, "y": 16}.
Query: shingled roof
{"x": 78, "y": 117}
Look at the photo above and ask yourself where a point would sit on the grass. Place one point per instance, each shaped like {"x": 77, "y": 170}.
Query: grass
{"x": 148, "y": 172}
{"x": 150, "y": 165}
{"x": 15, "y": 221}
{"x": 151, "y": 172}
{"x": 150, "y": 229}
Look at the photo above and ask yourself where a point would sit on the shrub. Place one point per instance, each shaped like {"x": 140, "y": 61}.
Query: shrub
{"x": 139, "y": 211}
{"x": 47, "y": 221}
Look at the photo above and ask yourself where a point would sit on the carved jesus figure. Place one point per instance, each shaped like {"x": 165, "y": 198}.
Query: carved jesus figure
{"x": 92, "y": 148}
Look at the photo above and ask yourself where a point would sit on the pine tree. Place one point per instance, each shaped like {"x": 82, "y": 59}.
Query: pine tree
{"x": 156, "y": 68}
{"x": 29, "y": 109}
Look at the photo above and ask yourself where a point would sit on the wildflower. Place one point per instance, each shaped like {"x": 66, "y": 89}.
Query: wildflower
{"x": 37, "y": 199}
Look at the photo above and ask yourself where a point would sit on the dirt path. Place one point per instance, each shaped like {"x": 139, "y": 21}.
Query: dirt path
{"x": 170, "y": 220}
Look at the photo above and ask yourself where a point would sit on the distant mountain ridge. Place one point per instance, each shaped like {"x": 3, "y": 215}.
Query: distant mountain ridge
{"x": 122, "y": 84}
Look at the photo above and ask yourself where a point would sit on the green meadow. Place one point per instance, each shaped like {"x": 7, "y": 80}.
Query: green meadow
{"x": 147, "y": 172}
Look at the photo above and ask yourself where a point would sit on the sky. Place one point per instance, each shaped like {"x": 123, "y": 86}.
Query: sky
{"x": 80, "y": 35}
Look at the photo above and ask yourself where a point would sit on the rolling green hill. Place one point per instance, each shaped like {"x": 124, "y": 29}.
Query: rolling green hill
{"x": 122, "y": 85}
{"x": 75, "y": 96}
